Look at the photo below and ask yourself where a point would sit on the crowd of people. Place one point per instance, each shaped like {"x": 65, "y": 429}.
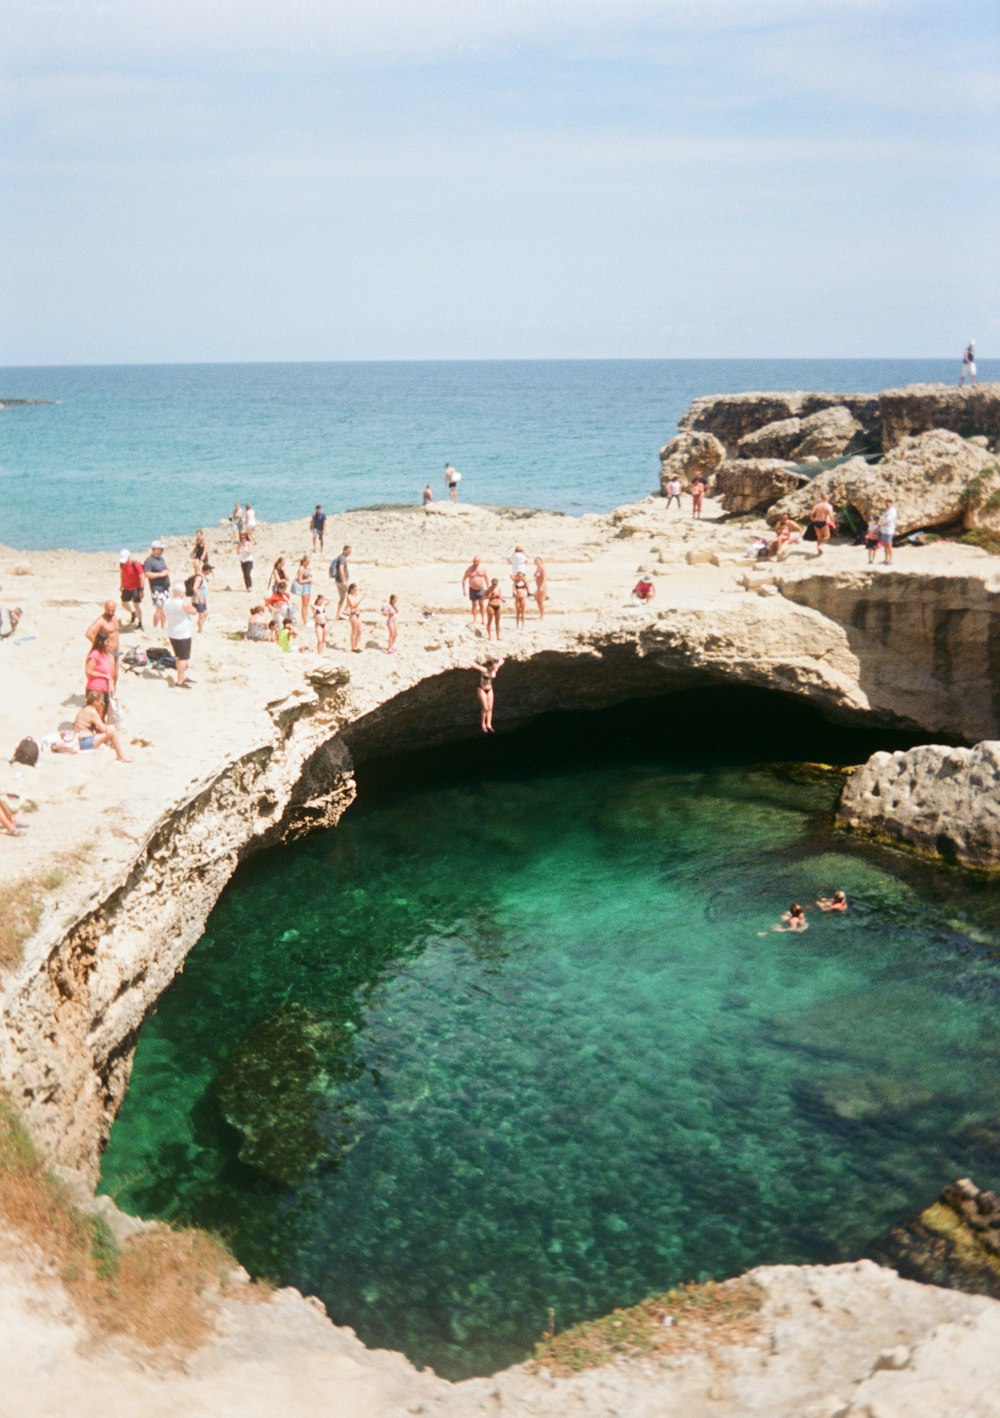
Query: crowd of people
{"x": 822, "y": 523}
{"x": 486, "y": 596}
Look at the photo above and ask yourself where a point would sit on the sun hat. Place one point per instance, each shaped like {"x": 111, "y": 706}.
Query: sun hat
{"x": 157, "y": 543}
{"x": 123, "y": 556}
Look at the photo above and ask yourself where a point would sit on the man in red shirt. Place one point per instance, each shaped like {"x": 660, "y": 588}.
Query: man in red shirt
{"x": 133, "y": 582}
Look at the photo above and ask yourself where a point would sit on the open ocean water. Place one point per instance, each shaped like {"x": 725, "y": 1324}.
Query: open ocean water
{"x": 124, "y": 453}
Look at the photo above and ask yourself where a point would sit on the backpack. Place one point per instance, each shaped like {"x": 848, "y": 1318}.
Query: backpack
{"x": 26, "y": 753}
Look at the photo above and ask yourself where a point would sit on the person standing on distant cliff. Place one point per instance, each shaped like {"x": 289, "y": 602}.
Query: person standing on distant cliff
{"x": 132, "y": 579}
{"x": 887, "y": 529}
{"x": 969, "y": 365}
{"x": 823, "y": 519}
{"x": 476, "y": 578}
{"x": 452, "y": 478}
{"x": 157, "y": 575}
{"x": 697, "y": 491}
{"x": 340, "y": 574}
{"x": 673, "y": 490}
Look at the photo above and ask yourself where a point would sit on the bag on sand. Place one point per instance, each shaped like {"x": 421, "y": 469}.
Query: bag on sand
{"x": 26, "y": 753}
{"x": 114, "y": 714}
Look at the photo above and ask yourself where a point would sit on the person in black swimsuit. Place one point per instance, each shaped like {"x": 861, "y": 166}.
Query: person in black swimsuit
{"x": 488, "y": 672}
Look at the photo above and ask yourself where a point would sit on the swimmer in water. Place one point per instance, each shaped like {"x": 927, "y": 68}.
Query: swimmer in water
{"x": 836, "y": 902}
{"x": 794, "y": 919}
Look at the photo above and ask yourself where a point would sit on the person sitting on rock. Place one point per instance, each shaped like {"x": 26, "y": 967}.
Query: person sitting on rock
{"x": 785, "y": 531}
{"x": 91, "y": 730}
{"x": 644, "y": 589}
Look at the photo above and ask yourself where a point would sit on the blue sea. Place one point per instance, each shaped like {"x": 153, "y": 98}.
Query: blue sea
{"x": 128, "y": 452}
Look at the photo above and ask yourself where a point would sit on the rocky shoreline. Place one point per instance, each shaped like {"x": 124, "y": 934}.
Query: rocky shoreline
{"x": 269, "y": 750}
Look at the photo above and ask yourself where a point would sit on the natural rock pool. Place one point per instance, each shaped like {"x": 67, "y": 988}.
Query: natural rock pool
{"x": 519, "y": 1037}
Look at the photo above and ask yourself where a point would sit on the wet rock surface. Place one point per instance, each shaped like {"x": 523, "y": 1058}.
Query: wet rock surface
{"x": 955, "y": 1242}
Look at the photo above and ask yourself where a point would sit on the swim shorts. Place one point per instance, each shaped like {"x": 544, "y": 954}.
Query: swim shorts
{"x": 160, "y": 598}
{"x": 181, "y": 649}
{"x": 87, "y": 741}
{"x": 476, "y": 595}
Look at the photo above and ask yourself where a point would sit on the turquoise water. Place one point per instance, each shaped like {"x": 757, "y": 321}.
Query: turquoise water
{"x": 526, "y": 1041}
{"x": 126, "y": 453}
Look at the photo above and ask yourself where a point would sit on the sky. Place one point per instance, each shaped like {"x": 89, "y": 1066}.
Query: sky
{"x": 202, "y": 180}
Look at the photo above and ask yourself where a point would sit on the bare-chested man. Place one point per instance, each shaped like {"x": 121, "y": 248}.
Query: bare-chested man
{"x": 476, "y": 578}
{"x": 822, "y": 518}
{"x": 109, "y": 623}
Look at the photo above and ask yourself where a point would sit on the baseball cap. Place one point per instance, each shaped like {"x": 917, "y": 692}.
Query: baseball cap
{"x": 157, "y": 543}
{"x": 123, "y": 556}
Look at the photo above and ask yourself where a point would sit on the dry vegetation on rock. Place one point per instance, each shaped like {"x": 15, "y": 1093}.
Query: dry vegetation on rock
{"x": 692, "y": 1318}
{"x": 157, "y": 1288}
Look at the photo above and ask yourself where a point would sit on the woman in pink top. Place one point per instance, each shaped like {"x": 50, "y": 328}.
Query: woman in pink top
{"x": 99, "y": 666}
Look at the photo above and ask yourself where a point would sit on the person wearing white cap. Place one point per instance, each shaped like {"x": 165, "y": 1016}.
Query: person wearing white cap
{"x": 157, "y": 574}
{"x": 132, "y": 579}
{"x": 177, "y": 612}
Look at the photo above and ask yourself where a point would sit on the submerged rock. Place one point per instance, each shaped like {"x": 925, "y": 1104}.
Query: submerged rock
{"x": 278, "y": 1089}
{"x": 955, "y": 1242}
{"x": 944, "y": 801}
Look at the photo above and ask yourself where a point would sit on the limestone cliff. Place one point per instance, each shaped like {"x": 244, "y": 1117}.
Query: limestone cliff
{"x": 943, "y": 801}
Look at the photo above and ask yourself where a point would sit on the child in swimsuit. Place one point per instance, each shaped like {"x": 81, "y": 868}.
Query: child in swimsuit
{"x": 391, "y": 611}
{"x": 520, "y": 585}
{"x": 494, "y": 605}
{"x": 319, "y": 622}
{"x": 354, "y": 615}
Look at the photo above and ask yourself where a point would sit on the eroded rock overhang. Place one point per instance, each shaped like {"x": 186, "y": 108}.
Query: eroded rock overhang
{"x": 863, "y": 652}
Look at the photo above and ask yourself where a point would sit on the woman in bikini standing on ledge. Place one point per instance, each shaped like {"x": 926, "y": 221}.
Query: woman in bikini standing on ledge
{"x": 541, "y": 586}
{"x": 488, "y": 672}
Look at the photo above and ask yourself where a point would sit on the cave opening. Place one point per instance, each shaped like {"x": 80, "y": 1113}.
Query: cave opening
{"x": 517, "y": 1035}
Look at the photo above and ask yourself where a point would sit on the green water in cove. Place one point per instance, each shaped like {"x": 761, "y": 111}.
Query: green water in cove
{"x": 523, "y": 1042}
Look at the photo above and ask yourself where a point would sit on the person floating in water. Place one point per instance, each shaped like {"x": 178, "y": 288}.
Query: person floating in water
{"x": 836, "y": 902}
{"x": 794, "y": 919}
{"x": 488, "y": 672}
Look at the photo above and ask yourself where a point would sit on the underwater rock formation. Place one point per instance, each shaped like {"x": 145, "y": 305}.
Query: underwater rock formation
{"x": 278, "y": 1088}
